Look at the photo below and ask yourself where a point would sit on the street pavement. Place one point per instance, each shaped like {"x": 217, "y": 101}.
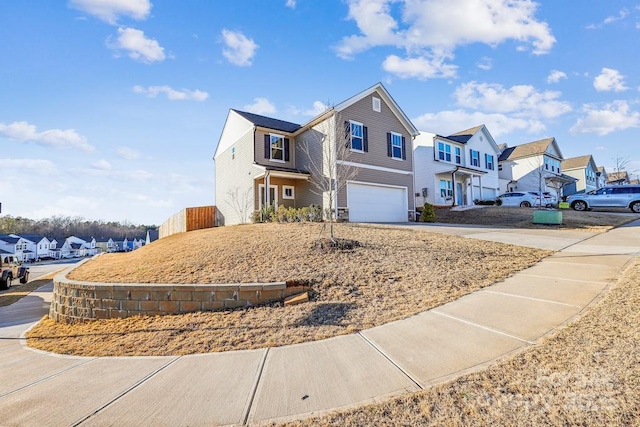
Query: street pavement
{"x": 296, "y": 381}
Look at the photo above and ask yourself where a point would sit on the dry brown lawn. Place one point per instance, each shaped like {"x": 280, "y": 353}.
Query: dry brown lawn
{"x": 588, "y": 374}
{"x": 522, "y": 218}
{"x": 395, "y": 273}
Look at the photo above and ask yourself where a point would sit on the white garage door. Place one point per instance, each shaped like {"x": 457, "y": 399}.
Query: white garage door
{"x": 373, "y": 203}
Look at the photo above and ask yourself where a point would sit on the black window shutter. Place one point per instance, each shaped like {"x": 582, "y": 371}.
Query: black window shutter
{"x": 389, "y": 151}
{"x": 286, "y": 149}
{"x": 404, "y": 149}
{"x": 365, "y": 139}
{"x": 267, "y": 147}
{"x": 347, "y": 134}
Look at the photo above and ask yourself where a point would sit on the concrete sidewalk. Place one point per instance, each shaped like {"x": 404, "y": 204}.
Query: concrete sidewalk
{"x": 260, "y": 386}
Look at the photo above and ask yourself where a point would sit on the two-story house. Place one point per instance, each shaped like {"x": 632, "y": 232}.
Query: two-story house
{"x": 602, "y": 177}
{"x": 457, "y": 169}
{"x": 534, "y": 166}
{"x": 618, "y": 178}
{"x": 262, "y": 161}
{"x": 584, "y": 170}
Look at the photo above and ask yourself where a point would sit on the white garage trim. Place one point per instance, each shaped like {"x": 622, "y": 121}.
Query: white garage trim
{"x": 372, "y": 202}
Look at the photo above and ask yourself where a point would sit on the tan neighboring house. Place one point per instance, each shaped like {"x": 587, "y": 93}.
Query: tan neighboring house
{"x": 262, "y": 161}
{"x": 533, "y": 166}
{"x": 584, "y": 170}
{"x": 618, "y": 178}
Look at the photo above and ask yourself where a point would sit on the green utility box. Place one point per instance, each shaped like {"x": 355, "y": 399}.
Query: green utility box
{"x": 547, "y": 217}
{"x": 563, "y": 205}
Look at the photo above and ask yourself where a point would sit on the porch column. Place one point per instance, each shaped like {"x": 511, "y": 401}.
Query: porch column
{"x": 480, "y": 185}
{"x": 466, "y": 202}
{"x": 267, "y": 193}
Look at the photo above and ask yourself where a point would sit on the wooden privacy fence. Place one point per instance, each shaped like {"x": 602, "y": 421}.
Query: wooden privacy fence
{"x": 189, "y": 219}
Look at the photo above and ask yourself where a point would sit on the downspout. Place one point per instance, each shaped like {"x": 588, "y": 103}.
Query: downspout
{"x": 453, "y": 186}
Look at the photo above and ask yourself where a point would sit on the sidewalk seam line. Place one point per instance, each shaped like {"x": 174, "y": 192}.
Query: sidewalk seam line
{"x": 254, "y": 391}
{"x": 483, "y": 327}
{"x": 133, "y": 387}
{"x": 393, "y": 362}
{"x": 563, "y": 278}
{"x": 530, "y": 298}
{"x": 47, "y": 377}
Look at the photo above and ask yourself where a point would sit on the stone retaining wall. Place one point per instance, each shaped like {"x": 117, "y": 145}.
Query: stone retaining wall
{"x": 75, "y": 301}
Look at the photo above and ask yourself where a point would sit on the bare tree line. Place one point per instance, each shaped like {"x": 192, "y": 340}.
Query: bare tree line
{"x": 65, "y": 226}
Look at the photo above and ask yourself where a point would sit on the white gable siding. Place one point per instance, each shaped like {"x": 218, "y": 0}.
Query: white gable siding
{"x": 234, "y": 128}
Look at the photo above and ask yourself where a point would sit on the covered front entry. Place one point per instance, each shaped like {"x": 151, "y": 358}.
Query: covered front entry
{"x": 376, "y": 203}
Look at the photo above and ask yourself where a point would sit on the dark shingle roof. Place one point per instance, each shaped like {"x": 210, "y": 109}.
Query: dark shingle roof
{"x": 268, "y": 122}
{"x": 464, "y": 135}
{"x": 9, "y": 239}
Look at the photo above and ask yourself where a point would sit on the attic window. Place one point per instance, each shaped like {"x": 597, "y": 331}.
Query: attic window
{"x": 376, "y": 104}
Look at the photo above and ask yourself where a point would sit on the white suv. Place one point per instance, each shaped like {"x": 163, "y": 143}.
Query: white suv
{"x": 615, "y": 196}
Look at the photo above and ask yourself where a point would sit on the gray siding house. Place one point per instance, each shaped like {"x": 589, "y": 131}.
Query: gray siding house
{"x": 263, "y": 161}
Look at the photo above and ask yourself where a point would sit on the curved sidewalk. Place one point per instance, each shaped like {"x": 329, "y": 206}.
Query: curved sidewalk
{"x": 259, "y": 386}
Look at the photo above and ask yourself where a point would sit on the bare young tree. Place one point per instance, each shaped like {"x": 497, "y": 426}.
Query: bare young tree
{"x": 240, "y": 202}
{"x": 327, "y": 147}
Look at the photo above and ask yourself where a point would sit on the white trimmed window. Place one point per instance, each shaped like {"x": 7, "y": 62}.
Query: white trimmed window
{"x": 396, "y": 145}
{"x": 446, "y": 188}
{"x": 475, "y": 158}
{"x": 444, "y": 152}
{"x": 458, "y": 155}
{"x": 357, "y": 136}
{"x": 288, "y": 192}
{"x": 277, "y": 148}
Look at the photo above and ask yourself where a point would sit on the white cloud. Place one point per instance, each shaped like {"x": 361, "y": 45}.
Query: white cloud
{"x": 421, "y": 67}
{"x": 448, "y": 122}
{"x": 110, "y": 10}
{"x": 555, "y": 76}
{"x": 429, "y": 30}
{"x": 485, "y": 64}
{"x": 172, "y": 94}
{"x": 34, "y": 166}
{"x": 609, "y": 80}
{"x": 612, "y": 117}
{"x": 128, "y": 153}
{"x": 601, "y": 147}
{"x": 101, "y": 164}
{"x": 239, "y": 50}
{"x": 58, "y": 138}
{"x": 137, "y": 46}
{"x": 610, "y": 20}
{"x": 520, "y": 100}
{"x": 291, "y": 4}
{"x": 261, "y": 106}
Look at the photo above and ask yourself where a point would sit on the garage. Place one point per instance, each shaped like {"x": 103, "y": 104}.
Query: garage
{"x": 376, "y": 203}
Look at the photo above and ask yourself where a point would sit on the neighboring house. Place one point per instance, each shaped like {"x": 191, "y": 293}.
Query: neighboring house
{"x": 137, "y": 243}
{"x": 456, "y": 169}
{"x": 533, "y": 166}
{"x": 105, "y": 245}
{"x": 584, "y": 170}
{"x": 602, "y": 176}
{"x": 17, "y": 246}
{"x": 618, "y": 178}
{"x": 122, "y": 245}
{"x": 261, "y": 161}
{"x": 152, "y": 236}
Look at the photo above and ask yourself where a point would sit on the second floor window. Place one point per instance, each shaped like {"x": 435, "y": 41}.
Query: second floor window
{"x": 488, "y": 160}
{"x": 357, "y": 136}
{"x": 475, "y": 158}
{"x": 277, "y": 147}
{"x": 396, "y": 145}
{"x": 458, "y": 155}
{"x": 444, "y": 152}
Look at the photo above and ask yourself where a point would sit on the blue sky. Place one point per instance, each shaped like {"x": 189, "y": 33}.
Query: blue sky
{"x": 112, "y": 109}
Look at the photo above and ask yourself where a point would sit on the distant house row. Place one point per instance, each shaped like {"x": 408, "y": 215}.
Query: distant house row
{"x": 32, "y": 247}
{"x": 392, "y": 168}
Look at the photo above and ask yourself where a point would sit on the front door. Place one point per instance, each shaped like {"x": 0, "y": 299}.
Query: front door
{"x": 459, "y": 194}
{"x": 273, "y": 196}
